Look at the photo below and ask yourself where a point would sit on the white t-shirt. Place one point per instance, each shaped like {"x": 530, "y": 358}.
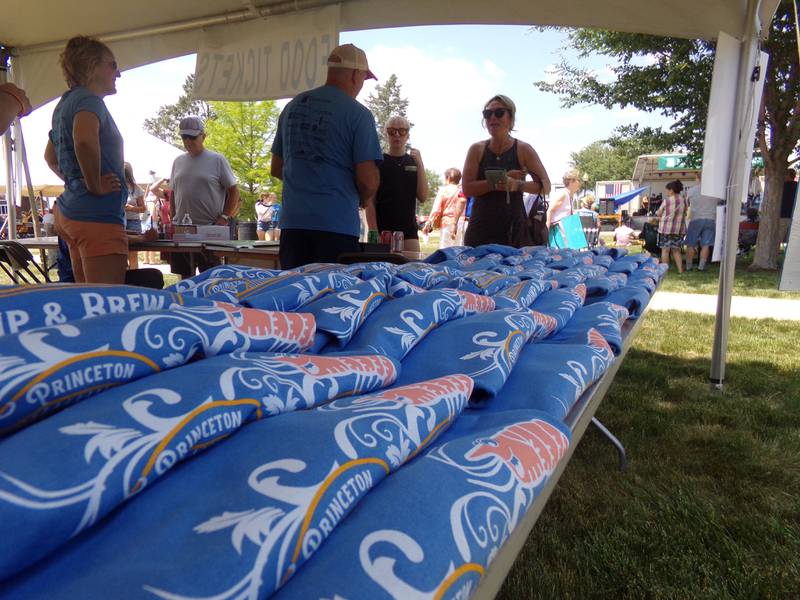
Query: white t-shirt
{"x": 133, "y": 196}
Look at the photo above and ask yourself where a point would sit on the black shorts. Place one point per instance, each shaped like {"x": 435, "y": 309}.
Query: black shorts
{"x": 303, "y": 246}
{"x": 184, "y": 263}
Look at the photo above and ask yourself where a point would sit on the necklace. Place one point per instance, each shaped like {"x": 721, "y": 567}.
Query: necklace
{"x": 398, "y": 160}
{"x": 506, "y": 145}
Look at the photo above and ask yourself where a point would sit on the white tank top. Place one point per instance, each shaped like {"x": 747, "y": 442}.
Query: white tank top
{"x": 564, "y": 210}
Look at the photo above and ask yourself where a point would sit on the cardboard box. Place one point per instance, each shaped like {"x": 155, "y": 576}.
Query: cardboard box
{"x": 201, "y": 233}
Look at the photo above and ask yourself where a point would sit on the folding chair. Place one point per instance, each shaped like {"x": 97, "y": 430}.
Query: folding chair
{"x": 591, "y": 229}
{"x": 18, "y": 263}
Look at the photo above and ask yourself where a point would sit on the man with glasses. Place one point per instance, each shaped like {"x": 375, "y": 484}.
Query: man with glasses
{"x": 326, "y": 151}
{"x": 204, "y": 187}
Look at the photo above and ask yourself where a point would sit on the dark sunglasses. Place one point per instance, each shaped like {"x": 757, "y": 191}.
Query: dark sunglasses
{"x": 497, "y": 112}
{"x": 401, "y": 131}
{"x": 189, "y": 137}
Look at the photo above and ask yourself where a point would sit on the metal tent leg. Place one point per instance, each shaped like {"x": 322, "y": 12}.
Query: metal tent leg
{"x": 623, "y": 460}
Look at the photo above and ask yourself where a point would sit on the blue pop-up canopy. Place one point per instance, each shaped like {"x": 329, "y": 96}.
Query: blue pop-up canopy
{"x": 626, "y": 197}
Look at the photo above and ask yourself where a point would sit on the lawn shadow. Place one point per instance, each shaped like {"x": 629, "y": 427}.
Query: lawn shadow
{"x": 710, "y": 506}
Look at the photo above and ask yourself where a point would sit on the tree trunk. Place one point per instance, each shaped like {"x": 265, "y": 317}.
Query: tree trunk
{"x": 766, "y": 256}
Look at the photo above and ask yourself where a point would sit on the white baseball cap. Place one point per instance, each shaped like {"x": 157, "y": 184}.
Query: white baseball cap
{"x": 348, "y": 56}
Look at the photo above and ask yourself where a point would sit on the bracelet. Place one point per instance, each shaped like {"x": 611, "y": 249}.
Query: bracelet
{"x": 17, "y": 98}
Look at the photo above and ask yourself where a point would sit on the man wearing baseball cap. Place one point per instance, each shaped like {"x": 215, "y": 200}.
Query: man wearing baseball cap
{"x": 326, "y": 151}
{"x": 204, "y": 187}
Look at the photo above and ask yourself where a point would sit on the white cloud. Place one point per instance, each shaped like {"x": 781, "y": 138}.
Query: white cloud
{"x": 573, "y": 119}
{"x": 446, "y": 95}
{"x": 606, "y": 75}
{"x": 551, "y": 74}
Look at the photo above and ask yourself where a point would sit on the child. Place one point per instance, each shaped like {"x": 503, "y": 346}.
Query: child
{"x": 623, "y": 234}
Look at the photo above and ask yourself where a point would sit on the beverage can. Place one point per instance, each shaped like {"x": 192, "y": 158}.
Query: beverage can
{"x": 386, "y": 237}
{"x": 372, "y": 236}
{"x": 398, "y": 241}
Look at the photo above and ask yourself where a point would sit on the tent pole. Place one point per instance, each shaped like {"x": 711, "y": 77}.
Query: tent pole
{"x": 11, "y": 202}
{"x": 32, "y": 198}
{"x": 733, "y": 198}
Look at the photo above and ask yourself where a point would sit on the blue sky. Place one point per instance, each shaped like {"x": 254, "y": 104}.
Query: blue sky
{"x": 446, "y": 72}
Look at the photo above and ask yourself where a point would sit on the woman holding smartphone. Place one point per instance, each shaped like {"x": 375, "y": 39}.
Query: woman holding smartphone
{"x": 495, "y": 174}
{"x": 403, "y": 182}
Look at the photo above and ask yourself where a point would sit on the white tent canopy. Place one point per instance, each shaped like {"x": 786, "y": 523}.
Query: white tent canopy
{"x": 149, "y": 31}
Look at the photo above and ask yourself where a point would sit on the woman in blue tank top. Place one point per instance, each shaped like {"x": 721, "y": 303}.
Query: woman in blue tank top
{"x": 85, "y": 151}
{"x": 498, "y": 212}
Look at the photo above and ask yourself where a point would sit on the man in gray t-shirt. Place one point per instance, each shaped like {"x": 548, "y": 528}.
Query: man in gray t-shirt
{"x": 204, "y": 186}
{"x": 702, "y": 228}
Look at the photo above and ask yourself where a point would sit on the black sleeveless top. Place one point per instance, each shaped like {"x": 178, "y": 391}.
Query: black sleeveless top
{"x": 498, "y": 218}
{"x": 396, "y": 200}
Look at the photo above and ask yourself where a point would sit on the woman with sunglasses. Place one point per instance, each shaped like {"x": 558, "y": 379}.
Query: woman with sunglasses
{"x": 85, "y": 150}
{"x": 403, "y": 182}
{"x": 498, "y": 212}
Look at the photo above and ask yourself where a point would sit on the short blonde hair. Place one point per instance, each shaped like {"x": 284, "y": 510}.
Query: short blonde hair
{"x": 570, "y": 176}
{"x": 79, "y": 59}
{"x": 507, "y": 102}
{"x": 394, "y": 118}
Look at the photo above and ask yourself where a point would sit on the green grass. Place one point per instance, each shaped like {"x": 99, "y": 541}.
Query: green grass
{"x": 761, "y": 283}
{"x": 710, "y": 507}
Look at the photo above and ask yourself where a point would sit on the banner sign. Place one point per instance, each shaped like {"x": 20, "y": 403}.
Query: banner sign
{"x": 258, "y": 61}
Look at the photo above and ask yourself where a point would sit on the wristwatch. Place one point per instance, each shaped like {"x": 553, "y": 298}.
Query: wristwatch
{"x": 226, "y": 217}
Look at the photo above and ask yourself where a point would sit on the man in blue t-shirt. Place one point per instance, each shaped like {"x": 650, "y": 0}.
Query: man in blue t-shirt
{"x": 326, "y": 151}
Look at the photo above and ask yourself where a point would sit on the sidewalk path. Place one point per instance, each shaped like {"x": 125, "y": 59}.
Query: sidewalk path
{"x": 741, "y": 306}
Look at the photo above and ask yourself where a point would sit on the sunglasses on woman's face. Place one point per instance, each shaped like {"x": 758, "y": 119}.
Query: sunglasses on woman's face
{"x": 401, "y": 131}
{"x": 497, "y": 112}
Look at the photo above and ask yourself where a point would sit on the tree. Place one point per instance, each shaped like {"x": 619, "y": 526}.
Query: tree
{"x": 386, "y": 101}
{"x": 434, "y": 183}
{"x": 778, "y": 128}
{"x": 675, "y": 81}
{"x": 615, "y": 157}
{"x": 243, "y": 132}
{"x": 164, "y": 125}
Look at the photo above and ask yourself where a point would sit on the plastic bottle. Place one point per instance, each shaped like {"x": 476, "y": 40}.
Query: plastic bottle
{"x": 187, "y": 219}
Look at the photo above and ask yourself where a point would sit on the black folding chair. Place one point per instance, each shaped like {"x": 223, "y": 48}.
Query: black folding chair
{"x": 18, "y": 263}
{"x": 591, "y": 229}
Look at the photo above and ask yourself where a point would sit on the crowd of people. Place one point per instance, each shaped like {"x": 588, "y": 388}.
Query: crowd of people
{"x": 323, "y": 135}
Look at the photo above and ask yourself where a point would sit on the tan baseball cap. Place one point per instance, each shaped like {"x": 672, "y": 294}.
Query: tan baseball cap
{"x": 348, "y": 56}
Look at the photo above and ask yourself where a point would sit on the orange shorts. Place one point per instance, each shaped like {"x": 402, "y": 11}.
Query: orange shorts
{"x": 92, "y": 239}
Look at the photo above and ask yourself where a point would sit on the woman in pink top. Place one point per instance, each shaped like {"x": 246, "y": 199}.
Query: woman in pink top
{"x": 448, "y": 207}
{"x": 672, "y": 224}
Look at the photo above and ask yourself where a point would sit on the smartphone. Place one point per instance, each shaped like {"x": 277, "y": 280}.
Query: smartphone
{"x": 408, "y": 148}
{"x": 496, "y": 176}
